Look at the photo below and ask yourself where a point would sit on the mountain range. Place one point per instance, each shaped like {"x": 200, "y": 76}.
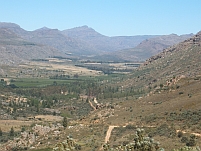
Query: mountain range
{"x": 80, "y": 42}
{"x": 15, "y": 49}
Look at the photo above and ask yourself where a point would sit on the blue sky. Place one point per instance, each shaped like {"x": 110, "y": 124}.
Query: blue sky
{"x": 108, "y": 17}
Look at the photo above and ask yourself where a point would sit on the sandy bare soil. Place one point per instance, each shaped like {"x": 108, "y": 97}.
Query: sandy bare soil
{"x": 92, "y": 105}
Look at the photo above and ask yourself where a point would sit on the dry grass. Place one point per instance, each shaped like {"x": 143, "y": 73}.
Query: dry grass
{"x": 6, "y": 125}
{"x": 50, "y": 118}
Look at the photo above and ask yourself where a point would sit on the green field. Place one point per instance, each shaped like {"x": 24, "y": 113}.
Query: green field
{"x": 31, "y": 83}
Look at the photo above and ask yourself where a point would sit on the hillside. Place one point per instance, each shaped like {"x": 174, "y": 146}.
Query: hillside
{"x": 14, "y": 49}
{"x": 170, "y": 102}
{"x": 172, "y": 81}
{"x": 150, "y": 47}
{"x": 182, "y": 59}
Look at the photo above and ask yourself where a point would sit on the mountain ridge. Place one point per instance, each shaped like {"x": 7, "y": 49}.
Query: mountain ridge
{"x": 15, "y": 49}
{"x": 102, "y": 42}
{"x": 84, "y": 41}
{"x": 151, "y": 47}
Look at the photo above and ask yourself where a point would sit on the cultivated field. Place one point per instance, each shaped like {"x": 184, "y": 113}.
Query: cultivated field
{"x": 66, "y": 67}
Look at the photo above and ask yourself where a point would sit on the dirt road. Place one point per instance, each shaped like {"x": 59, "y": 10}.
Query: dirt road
{"x": 92, "y": 105}
{"x": 111, "y": 127}
{"x": 107, "y": 137}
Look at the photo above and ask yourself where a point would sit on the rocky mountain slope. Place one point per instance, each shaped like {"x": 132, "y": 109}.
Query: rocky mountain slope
{"x": 180, "y": 60}
{"x": 14, "y": 49}
{"x": 172, "y": 79}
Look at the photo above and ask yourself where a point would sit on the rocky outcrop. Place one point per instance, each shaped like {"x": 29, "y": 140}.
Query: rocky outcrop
{"x": 195, "y": 40}
{"x": 32, "y": 138}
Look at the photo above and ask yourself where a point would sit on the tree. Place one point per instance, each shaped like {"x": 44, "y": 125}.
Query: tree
{"x": 180, "y": 134}
{"x": 12, "y": 132}
{"x": 23, "y": 129}
{"x": 65, "y": 122}
{"x": 1, "y": 133}
{"x": 54, "y": 113}
{"x": 76, "y": 75}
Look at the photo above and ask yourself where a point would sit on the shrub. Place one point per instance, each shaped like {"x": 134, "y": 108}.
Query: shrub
{"x": 191, "y": 141}
{"x": 1, "y": 133}
{"x": 12, "y": 133}
{"x": 181, "y": 93}
{"x": 184, "y": 139}
{"x": 180, "y": 134}
{"x": 65, "y": 122}
{"x": 68, "y": 144}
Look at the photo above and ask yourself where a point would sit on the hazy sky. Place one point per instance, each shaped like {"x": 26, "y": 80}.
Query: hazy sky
{"x": 108, "y": 17}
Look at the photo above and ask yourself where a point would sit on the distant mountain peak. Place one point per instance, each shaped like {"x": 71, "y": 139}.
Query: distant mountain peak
{"x": 173, "y": 34}
{"x": 82, "y": 28}
{"x": 44, "y": 28}
{"x": 82, "y": 32}
{"x": 8, "y": 25}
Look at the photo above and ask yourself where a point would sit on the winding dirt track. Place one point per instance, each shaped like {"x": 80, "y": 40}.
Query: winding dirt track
{"x": 107, "y": 137}
{"x": 111, "y": 127}
{"x": 196, "y": 134}
{"x": 92, "y": 105}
